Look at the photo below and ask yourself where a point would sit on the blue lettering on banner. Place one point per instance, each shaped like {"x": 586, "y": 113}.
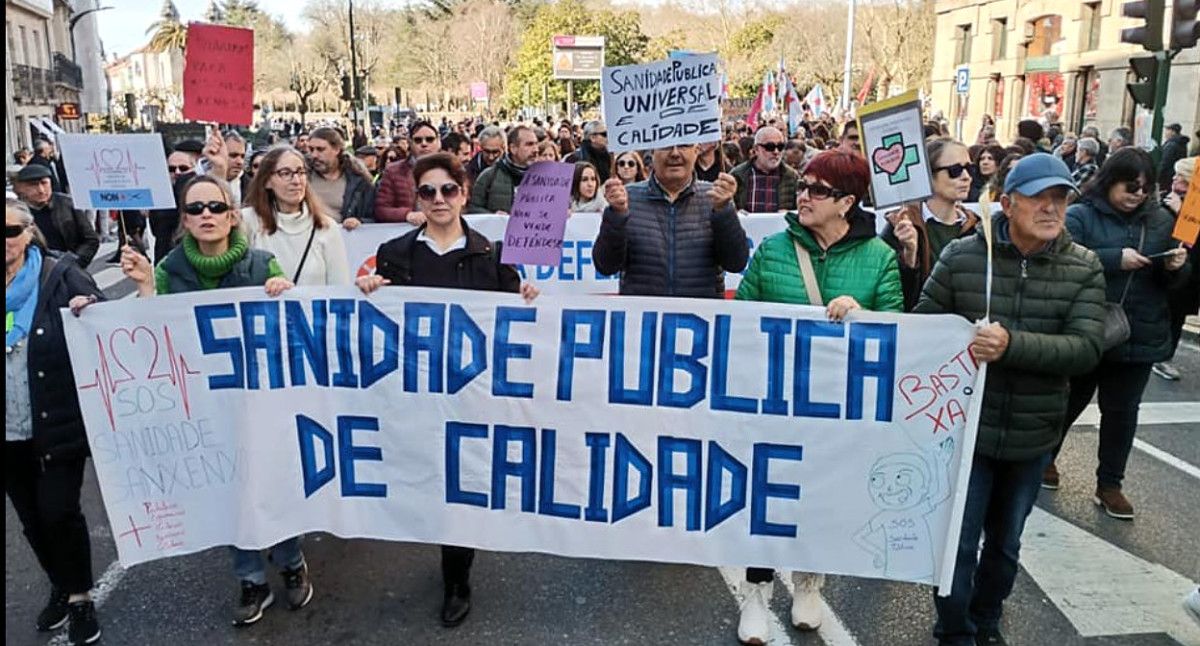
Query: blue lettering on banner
{"x": 802, "y": 406}
{"x": 502, "y": 351}
{"x": 309, "y": 432}
{"x": 307, "y": 343}
{"x": 121, "y": 198}
{"x": 531, "y": 457}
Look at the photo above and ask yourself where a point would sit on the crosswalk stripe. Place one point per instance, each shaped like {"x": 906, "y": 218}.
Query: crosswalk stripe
{"x": 1101, "y": 588}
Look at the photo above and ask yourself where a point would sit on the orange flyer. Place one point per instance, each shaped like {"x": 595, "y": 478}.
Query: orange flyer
{"x": 1187, "y": 226}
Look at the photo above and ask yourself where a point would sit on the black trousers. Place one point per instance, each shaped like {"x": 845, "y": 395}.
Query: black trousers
{"x": 1120, "y": 386}
{"x": 456, "y": 564}
{"x": 46, "y": 499}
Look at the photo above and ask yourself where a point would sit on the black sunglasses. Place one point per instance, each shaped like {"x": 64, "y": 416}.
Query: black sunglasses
{"x": 953, "y": 170}
{"x": 773, "y": 148}
{"x": 13, "y": 230}
{"x": 1137, "y": 187}
{"x": 179, "y": 169}
{"x": 819, "y": 191}
{"x": 627, "y": 163}
{"x": 424, "y": 140}
{"x": 197, "y": 208}
{"x": 449, "y": 190}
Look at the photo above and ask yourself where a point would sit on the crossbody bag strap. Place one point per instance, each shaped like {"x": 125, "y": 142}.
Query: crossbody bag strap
{"x": 804, "y": 260}
{"x": 311, "y": 234}
{"x": 1129, "y": 281}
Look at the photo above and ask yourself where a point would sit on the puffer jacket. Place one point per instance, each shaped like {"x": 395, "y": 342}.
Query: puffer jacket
{"x": 1052, "y": 305}
{"x": 665, "y": 248}
{"x": 397, "y": 192}
{"x": 1095, "y": 224}
{"x": 859, "y": 265}
{"x": 495, "y": 187}
{"x": 785, "y": 192}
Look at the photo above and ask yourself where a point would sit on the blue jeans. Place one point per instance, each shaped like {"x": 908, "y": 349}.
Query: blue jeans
{"x": 1000, "y": 496}
{"x": 249, "y": 565}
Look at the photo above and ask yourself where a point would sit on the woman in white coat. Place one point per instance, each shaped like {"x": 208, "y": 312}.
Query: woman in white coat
{"x": 284, "y": 216}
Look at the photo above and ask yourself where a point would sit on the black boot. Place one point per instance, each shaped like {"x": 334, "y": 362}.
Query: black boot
{"x": 456, "y": 605}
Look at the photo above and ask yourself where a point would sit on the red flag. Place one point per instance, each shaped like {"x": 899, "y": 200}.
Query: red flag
{"x": 755, "y": 109}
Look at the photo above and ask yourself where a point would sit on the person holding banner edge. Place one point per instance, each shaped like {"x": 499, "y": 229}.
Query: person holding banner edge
{"x": 45, "y": 445}
{"x": 1041, "y": 324}
{"x": 215, "y": 254}
{"x": 854, "y": 270}
{"x": 445, "y": 252}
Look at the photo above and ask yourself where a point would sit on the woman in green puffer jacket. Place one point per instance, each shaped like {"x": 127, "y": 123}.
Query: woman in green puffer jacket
{"x": 853, "y": 270}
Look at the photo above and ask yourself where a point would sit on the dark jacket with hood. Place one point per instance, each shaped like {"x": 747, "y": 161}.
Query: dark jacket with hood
{"x": 494, "y": 188}
{"x": 1051, "y": 302}
{"x": 1173, "y": 150}
{"x": 78, "y": 233}
{"x": 58, "y": 432}
{"x": 1095, "y": 224}
{"x": 665, "y": 248}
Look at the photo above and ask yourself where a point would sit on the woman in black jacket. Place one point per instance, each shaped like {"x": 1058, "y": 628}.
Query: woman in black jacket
{"x": 445, "y": 252}
{"x": 1119, "y": 218}
{"x": 45, "y": 446}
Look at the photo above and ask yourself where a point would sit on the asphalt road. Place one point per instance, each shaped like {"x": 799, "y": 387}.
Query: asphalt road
{"x": 1085, "y": 579}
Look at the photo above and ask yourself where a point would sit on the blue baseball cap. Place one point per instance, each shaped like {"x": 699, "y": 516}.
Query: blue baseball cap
{"x": 1035, "y": 173}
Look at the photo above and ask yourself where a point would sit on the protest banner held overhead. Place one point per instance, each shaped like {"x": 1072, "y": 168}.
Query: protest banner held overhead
{"x": 619, "y": 429}
{"x": 218, "y": 74}
{"x": 534, "y": 233}
{"x": 118, "y": 172}
{"x": 893, "y": 141}
{"x": 665, "y": 103}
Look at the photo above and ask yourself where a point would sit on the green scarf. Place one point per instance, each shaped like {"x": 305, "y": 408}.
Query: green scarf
{"x": 211, "y": 269}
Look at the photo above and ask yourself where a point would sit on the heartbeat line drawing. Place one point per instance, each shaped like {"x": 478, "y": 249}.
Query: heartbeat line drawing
{"x": 114, "y": 161}
{"x": 112, "y": 371}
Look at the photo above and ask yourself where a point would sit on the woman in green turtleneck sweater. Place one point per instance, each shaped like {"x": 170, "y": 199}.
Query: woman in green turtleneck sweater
{"x": 214, "y": 254}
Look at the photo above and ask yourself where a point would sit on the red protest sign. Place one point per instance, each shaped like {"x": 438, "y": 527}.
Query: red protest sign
{"x": 218, "y": 74}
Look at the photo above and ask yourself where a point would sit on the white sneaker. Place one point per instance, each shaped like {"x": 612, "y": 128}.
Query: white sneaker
{"x": 806, "y": 602}
{"x": 1166, "y": 371}
{"x": 1192, "y": 604}
{"x": 754, "y": 624}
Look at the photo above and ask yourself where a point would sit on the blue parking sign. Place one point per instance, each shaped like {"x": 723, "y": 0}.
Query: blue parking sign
{"x": 962, "y": 79}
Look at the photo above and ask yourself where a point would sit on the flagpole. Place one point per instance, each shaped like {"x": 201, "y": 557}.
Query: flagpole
{"x": 845, "y": 102}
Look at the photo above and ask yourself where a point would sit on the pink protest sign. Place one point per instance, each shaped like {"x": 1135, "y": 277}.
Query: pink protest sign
{"x": 534, "y": 235}
{"x": 218, "y": 74}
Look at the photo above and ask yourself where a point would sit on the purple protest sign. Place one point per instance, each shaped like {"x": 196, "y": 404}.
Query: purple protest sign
{"x": 534, "y": 234}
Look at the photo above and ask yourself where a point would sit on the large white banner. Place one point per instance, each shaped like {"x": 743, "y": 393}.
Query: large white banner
{"x": 576, "y": 274}
{"x": 613, "y": 427}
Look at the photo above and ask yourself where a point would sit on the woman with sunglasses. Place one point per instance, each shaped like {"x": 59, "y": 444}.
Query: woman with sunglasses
{"x": 1120, "y": 218}
{"x": 215, "y": 254}
{"x": 445, "y": 252}
{"x": 629, "y": 167}
{"x": 585, "y": 190}
{"x": 919, "y": 232}
{"x": 45, "y": 446}
{"x": 285, "y": 217}
{"x": 833, "y": 239}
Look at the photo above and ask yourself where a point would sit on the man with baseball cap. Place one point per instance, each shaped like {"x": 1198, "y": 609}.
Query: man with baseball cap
{"x": 65, "y": 227}
{"x": 1046, "y": 324}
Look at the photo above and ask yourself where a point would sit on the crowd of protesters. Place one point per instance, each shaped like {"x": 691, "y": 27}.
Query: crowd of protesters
{"x": 1078, "y": 222}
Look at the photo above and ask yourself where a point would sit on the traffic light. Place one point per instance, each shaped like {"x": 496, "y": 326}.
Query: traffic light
{"x": 1145, "y": 69}
{"x": 1149, "y": 35}
{"x": 1185, "y": 30}
{"x": 346, "y": 95}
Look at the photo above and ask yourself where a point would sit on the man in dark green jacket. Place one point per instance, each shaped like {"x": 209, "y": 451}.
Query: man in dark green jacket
{"x": 495, "y": 187}
{"x": 1046, "y": 324}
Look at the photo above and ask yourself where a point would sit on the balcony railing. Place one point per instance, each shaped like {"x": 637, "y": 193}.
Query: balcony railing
{"x": 66, "y": 72}
{"x": 32, "y": 84}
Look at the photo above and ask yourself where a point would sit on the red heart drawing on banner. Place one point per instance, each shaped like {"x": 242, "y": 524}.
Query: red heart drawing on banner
{"x": 111, "y": 158}
{"x": 128, "y": 353}
{"x": 890, "y": 158}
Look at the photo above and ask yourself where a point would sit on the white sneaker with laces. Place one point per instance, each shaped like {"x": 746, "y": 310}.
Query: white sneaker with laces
{"x": 1166, "y": 371}
{"x": 1192, "y": 603}
{"x": 806, "y": 602}
{"x": 754, "y": 624}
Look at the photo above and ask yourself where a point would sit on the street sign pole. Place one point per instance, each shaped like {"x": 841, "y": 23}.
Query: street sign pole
{"x": 1160, "y": 102}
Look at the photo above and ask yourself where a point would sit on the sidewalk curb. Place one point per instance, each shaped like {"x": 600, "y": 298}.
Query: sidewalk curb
{"x": 1191, "y": 329}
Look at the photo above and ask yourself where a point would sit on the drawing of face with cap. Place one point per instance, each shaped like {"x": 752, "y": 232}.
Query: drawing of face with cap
{"x": 899, "y": 481}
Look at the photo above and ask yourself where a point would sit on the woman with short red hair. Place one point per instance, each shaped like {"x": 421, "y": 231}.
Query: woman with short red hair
{"x": 829, "y": 246}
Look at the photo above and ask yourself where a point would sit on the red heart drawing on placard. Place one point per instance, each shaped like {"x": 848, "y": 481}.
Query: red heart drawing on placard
{"x": 128, "y": 353}
{"x": 890, "y": 158}
{"x": 111, "y": 158}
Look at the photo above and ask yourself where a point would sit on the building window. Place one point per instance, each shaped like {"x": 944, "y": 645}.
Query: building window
{"x": 963, "y": 38}
{"x": 37, "y": 50}
{"x": 1091, "y": 26}
{"x": 24, "y": 45}
{"x": 999, "y": 39}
